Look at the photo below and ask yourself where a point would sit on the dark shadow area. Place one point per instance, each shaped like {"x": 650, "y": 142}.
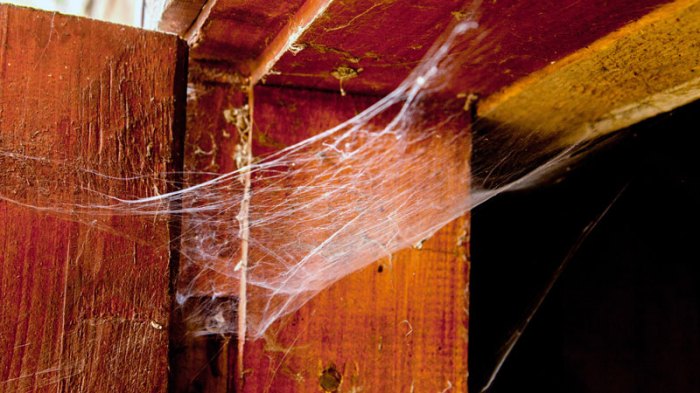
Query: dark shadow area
{"x": 625, "y": 314}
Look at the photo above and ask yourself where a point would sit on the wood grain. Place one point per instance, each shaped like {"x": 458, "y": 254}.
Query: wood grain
{"x": 350, "y": 337}
{"x": 202, "y": 363}
{"x": 236, "y": 33}
{"x": 646, "y": 68}
{"x": 84, "y": 299}
{"x": 180, "y": 15}
{"x": 393, "y": 326}
{"x": 386, "y": 40}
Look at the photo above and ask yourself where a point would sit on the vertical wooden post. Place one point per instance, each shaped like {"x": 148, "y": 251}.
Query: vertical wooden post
{"x": 85, "y": 299}
{"x": 397, "y": 325}
{"x": 394, "y": 326}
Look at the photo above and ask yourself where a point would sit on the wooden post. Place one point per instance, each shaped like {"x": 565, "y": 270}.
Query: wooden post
{"x": 398, "y": 325}
{"x": 85, "y": 299}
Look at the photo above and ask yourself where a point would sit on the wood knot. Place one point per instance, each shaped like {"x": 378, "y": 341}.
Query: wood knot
{"x": 330, "y": 379}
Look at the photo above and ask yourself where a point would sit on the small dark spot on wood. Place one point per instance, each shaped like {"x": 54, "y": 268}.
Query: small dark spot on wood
{"x": 196, "y": 387}
{"x": 330, "y": 379}
{"x": 380, "y": 269}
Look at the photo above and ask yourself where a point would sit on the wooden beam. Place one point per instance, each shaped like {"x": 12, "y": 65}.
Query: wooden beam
{"x": 305, "y": 43}
{"x": 643, "y": 69}
{"x": 247, "y": 37}
{"x": 514, "y": 40}
{"x": 396, "y": 325}
{"x": 383, "y": 42}
{"x": 287, "y": 37}
{"x": 85, "y": 299}
{"x": 355, "y": 333}
{"x": 181, "y": 16}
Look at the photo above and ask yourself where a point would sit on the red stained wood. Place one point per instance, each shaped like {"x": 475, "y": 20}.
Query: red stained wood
{"x": 180, "y": 15}
{"x": 393, "y": 326}
{"x": 388, "y": 327}
{"x": 351, "y": 334}
{"x": 237, "y": 33}
{"x": 84, "y": 299}
{"x": 210, "y": 141}
{"x": 382, "y": 41}
{"x": 386, "y": 40}
{"x": 204, "y": 363}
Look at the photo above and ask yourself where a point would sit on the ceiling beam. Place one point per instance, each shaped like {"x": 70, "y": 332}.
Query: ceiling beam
{"x": 643, "y": 69}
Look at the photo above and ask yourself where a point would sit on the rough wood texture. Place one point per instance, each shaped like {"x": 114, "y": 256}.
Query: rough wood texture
{"x": 357, "y": 330}
{"x": 386, "y": 40}
{"x": 383, "y": 41}
{"x": 179, "y": 15}
{"x": 84, "y": 299}
{"x": 394, "y": 326}
{"x": 646, "y": 68}
{"x": 377, "y": 45}
{"x": 202, "y": 364}
{"x": 237, "y": 33}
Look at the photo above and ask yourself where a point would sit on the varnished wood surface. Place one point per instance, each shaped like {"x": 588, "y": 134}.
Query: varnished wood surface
{"x": 84, "y": 299}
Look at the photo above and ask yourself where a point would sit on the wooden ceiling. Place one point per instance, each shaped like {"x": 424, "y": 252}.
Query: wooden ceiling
{"x": 304, "y": 43}
{"x": 542, "y": 52}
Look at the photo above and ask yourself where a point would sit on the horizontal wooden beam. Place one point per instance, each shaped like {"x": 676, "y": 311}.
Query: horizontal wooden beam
{"x": 180, "y": 16}
{"x": 244, "y": 38}
{"x": 304, "y": 43}
{"x": 643, "y": 69}
{"x": 288, "y": 36}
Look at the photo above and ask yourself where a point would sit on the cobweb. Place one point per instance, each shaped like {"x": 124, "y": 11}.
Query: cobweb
{"x": 287, "y": 225}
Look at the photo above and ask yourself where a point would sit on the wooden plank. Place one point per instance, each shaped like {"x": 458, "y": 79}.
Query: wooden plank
{"x": 369, "y": 312}
{"x": 180, "y": 15}
{"x": 85, "y": 299}
{"x": 381, "y": 42}
{"x": 305, "y": 43}
{"x": 395, "y": 325}
{"x": 248, "y": 37}
{"x": 232, "y": 32}
{"x": 646, "y": 68}
{"x": 386, "y": 40}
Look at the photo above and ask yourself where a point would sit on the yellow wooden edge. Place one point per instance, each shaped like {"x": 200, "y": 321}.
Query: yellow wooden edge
{"x": 647, "y": 67}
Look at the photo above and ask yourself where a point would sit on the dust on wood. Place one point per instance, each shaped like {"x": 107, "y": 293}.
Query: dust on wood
{"x": 84, "y": 309}
{"x": 646, "y": 68}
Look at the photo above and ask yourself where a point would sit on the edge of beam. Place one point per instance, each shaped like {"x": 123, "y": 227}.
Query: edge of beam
{"x": 648, "y": 67}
